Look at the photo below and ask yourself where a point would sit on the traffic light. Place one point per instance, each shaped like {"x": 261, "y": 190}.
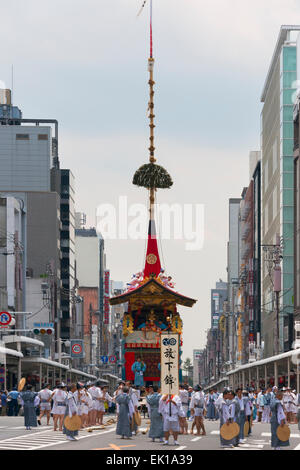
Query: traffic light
{"x": 43, "y": 331}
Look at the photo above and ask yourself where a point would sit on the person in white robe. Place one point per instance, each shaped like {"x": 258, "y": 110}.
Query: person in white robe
{"x": 170, "y": 407}
{"x": 288, "y": 402}
{"x": 197, "y": 407}
{"x": 184, "y": 397}
{"x": 45, "y": 405}
{"x": 59, "y": 406}
{"x": 96, "y": 395}
{"x": 86, "y": 406}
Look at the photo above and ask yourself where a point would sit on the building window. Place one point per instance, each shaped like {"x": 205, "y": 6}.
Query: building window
{"x": 22, "y": 136}
{"x": 43, "y": 137}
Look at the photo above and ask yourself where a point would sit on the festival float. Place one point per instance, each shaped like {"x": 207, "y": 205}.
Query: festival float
{"x": 152, "y": 302}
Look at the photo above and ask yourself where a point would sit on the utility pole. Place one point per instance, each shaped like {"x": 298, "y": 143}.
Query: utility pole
{"x": 90, "y": 328}
{"x": 277, "y": 289}
{"x": 19, "y": 322}
{"x": 273, "y": 258}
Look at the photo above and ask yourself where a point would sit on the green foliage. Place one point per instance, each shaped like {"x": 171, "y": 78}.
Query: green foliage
{"x": 152, "y": 176}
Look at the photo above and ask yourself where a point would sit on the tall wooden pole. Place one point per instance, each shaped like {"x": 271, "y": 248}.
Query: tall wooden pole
{"x": 152, "y": 159}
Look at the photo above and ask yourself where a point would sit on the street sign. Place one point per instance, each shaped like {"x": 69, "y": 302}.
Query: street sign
{"x": 104, "y": 359}
{"x": 112, "y": 359}
{"x": 1, "y": 380}
{"x": 5, "y": 318}
{"x": 77, "y": 348}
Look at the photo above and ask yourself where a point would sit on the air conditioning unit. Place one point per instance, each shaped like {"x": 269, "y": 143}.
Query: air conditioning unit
{"x": 44, "y": 287}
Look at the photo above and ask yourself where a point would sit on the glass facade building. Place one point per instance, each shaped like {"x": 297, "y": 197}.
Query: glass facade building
{"x": 278, "y": 184}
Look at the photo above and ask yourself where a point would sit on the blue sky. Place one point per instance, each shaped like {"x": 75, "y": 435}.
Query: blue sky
{"x": 85, "y": 64}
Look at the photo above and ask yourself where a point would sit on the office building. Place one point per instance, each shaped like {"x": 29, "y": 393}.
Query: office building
{"x": 277, "y": 169}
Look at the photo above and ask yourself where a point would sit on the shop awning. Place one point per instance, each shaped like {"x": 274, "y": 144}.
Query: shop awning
{"x": 10, "y": 352}
{"x": 22, "y": 339}
{"x": 268, "y": 360}
{"x": 42, "y": 360}
{"x": 80, "y": 372}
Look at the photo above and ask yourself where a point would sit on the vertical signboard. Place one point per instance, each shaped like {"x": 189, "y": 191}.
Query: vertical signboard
{"x": 251, "y": 300}
{"x": 216, "y": 303}
{"x": 169, "y": 363}
{"x": 106, "y": 296}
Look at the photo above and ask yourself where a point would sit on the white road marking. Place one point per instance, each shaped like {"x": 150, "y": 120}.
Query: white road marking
{"x": 196, "y": 439}
{"x": 256, "y": 446}
{"x": 23, "y": 427}
{"x": 181, "y": 448}
{"x": 268, "y": 434}
{"x": 40, "y": 440}
{"x": 214, "y": 432}
{"x": 240, "y": 448}
{"x": 297, "y": 447}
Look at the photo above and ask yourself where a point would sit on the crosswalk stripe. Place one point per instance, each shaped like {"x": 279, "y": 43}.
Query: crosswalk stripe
{"x": 196, "y": 439}
{"x": 241, "y": 448}
{"x": 181, "y": 448}
{"x": 214, "y": 432}
{"x": 256, "y": 446}
{"x": 297, "y": 447}
{"x": 14, "y": 446}
{"x": 43, "y": 439}
{"x": 268, "y": 434}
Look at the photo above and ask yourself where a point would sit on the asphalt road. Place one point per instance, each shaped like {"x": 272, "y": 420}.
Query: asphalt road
{"x": 13, "y": 436}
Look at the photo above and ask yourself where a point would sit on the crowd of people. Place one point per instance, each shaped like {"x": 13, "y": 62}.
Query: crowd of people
{"x": 89, "y": 401}
{"x": 169, "y": 414}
